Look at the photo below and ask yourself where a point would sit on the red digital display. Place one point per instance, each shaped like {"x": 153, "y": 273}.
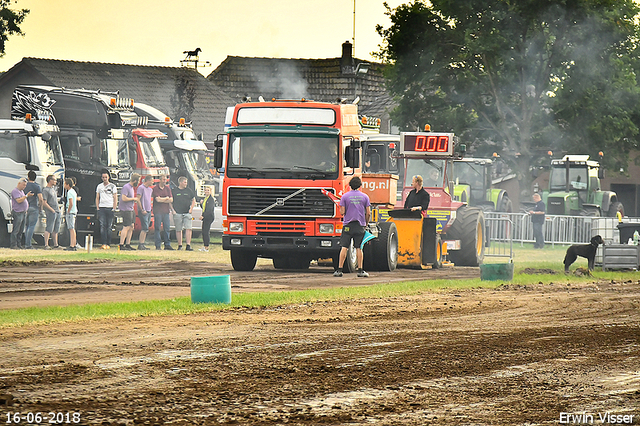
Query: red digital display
{"x": 427, "y": 144}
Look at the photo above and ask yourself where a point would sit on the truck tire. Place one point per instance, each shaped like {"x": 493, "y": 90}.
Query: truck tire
{"x": 615, "y": 208}
{"x": 469, "y": 228}
{"x": 280, "y": 262}
{"x": 4, "y": 231}
{"x": 384, "y": 249}
{"x": 243, "y": 261}
{"x": 295, "y": 262}
{"x": 350, "y": 263}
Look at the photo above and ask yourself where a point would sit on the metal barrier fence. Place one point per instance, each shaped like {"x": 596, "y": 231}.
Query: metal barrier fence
{"x": 561, "y": 230}
{"x": 499, "y": 237}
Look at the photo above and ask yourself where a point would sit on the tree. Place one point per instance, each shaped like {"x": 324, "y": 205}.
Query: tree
{"x": 10, "y": 21}
{"x": 519, "y": 77}
{"x": 183, "y": 98}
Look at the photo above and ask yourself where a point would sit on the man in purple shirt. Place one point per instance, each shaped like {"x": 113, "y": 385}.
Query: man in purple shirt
{"x": 19, "y": 207}
{"x": 144, "y": 209}
{"x": 356, "y": 211}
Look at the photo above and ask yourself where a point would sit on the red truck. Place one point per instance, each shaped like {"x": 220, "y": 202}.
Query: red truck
{"x": 283, "y": 163}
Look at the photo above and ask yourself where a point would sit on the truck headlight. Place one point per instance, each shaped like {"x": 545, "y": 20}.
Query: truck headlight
{"x": 236, "y": 227}
{"x": 326, "y": 228}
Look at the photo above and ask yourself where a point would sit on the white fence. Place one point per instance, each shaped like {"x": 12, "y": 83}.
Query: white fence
{"x": 499, "y": 237}
{"x": 561, "y": 230}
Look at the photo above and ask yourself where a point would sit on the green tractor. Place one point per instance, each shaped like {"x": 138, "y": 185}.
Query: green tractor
{"x": 574, "y": 189}
{"x": 474, "y": 185}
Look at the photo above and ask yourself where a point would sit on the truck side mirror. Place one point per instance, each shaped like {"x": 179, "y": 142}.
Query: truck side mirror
{"x": 352, "y": 154}
{"x": 601, "y": 173}
{"x": 218, "y": 154}
{"x": 84, "y": 152}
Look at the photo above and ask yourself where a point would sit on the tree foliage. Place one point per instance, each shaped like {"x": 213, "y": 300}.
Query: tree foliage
{"x": 518, "y": 76}
{"x": 10, "y": 21}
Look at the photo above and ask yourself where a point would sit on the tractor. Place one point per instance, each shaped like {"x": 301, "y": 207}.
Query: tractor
{"x": 574, "y": 189}
{"x": 473, "y": 179}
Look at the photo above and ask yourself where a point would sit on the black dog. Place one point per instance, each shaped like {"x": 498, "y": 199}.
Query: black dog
{"x": 584, "y": 250}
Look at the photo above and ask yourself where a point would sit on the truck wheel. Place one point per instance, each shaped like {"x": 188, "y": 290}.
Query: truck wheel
{"x": 384, "y": 249}
{"x": 243, "y": 261}
{"x": 280, "y": 263}
{"x": 299, "y": 262}
{"x": 615, "y": 208}
{"x": 4, "y": 231}
{"x": 438, "y": 263}
{"x": 351, "y": 262}
{"x": 469, "y": 228}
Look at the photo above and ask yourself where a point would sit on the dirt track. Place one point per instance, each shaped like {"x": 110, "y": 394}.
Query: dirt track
{"x": 511, "y": 356}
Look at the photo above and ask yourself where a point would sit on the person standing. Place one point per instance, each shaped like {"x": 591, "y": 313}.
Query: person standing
{"x": 106, "y": 204}
{"x": 355, "y": 208}
{"x": 207, "y": 218}
{"x": 162, "y": 199}
{"x": 35, "y": 207}
{"x": 52, "y": 212}
{"x": 127, "y": 202}
{"x": 19, "y": 207}
{"x": 184, "y": 200}
{"x": 70, "y": 213}
{"x": 537, "y": 220}
{"x": 144, "y": 209}
{"x": 418, "y": 198}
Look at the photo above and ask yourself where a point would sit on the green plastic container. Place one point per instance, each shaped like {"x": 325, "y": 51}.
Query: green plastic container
{"x": 216, "y": 289}
{"x": 496, "y": 271}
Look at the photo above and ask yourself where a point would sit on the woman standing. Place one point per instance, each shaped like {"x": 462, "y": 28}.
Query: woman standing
{"x": 208, "y": 215}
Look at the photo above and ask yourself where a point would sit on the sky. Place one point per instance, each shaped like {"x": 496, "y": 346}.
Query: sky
{"x": 157, "y": 32}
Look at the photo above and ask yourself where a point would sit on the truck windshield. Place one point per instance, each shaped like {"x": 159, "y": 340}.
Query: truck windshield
{"x": 13, "y": 145}
{"x": 49, "y": 151}
{"x": 283, "y": 156}
{"x": 190, "y": 162}
{"x": 151, "y": 152}
{"x": 577, "y": 178}
{"x": 432, "y": 172}
{"x": 117, "y": 153}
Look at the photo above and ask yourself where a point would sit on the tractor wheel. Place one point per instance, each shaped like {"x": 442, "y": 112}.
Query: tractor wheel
{"x": 243, "y": 261}
{"x": 590, "y": 212}
{"x": 384, "y": 249}
{"x": 615, "y": 208}
{"x": 469, "y": 228}
{"x": 506, "y": 205}
{"x": 350, "y": 263}
{"x": 4, "y": 231}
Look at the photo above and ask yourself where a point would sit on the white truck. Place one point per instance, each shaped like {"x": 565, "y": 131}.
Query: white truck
{"x": 27, "y": 144}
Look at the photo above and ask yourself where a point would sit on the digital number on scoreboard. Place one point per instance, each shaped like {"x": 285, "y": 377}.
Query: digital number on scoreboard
{"x": 426, "y": 144}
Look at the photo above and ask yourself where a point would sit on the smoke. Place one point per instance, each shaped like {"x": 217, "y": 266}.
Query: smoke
{"x": 283, "y": 79}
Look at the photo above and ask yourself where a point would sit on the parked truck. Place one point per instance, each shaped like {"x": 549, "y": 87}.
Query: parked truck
{"x": 27, "y": 143}
{"x": 574, "y": 189}
{"x": 285, "y": 163}
{"x": 95, "y": 128}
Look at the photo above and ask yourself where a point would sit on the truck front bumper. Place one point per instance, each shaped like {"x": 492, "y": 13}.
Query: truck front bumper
{"x": 270, "y": 246}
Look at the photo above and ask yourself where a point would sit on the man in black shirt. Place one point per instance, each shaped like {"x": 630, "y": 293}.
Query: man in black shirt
{"x": 418, "y": 198}
{"x": 537, "y": 220}
{"x": 184, "y": 200}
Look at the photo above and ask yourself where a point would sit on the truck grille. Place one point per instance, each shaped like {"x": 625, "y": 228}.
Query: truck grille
{"x": 556, "y": 206}
{"x": 273, "y": 202}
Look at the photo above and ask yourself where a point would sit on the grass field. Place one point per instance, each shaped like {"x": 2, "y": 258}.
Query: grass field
{"x": 524, "y": 257}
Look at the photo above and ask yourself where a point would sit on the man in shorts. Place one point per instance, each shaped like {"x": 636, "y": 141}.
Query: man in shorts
{"x": 356, "y": 212}
{"x": 128, "y": 200}
{"x": 184, "y": 200}
{"x": 144, "y": 209}
{"x": 52, "y": 212}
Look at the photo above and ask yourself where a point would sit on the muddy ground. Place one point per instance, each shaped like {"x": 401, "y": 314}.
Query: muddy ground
{"x": 507, "y": 356}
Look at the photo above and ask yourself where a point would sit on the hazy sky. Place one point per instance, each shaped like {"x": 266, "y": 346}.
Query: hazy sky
{"x": 156, "y": 32}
